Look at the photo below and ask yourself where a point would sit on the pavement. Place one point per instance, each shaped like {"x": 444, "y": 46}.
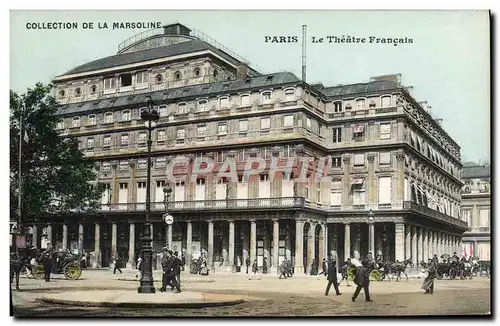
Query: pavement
{"x": 264, "y": 296}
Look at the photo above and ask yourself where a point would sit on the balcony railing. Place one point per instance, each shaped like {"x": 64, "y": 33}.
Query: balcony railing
{"x": 479, "y": 229}
{"x": 412, "y": 206}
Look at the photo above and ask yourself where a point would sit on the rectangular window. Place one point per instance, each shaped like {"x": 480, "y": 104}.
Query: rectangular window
{"x": 106, "y": 167}
{"x": 483, "y": 251}
{"x": 245, "y": 100}
{"x": 360, "y": 104}
{"x": 126, "y": 115}
{"x": 106, "y": 141}
{"x": 141, "y": 77}
{"x": 358, "y": 130}
{"x": 337, "y": 135}
{"x": 222, "y": 128}
{"x": 142, "y": 138}
{"x": 385, "y": 130}
{"x": 337, "y": 107}
{"x": 484, "y": 217}
{"x": 126, "y": 80}
{"x": 161, "y": 162}
{"x": 384, "y": 190}
{"x": 359, "y": 194}
{"x": 141, "y": 192}
{"x": 90, "y": 143}
{"x": 161, "y": 135}
{"x": 265, "y": 123}
{"x": 336, "y": 162}
{"x": 308, "y": 123}
{"x": 203, "y": 105}
{"x": 124, "y": 140}
{"x": 110, "y": 83}
{"x": 385, "y": 158}
{"x": 181, "y": 134}
{"x": 467, "y": 217}
{"x": 201, "y": 131}
{"x": 123, "y": 193}
{"x": 288, "y": 121}
{"x": 266, "y": 97}
{"x": 142, "y": 163}
{"x": 182, "y": 108}
{"x": 336, "y": 193}
{"x": 91, "y": 120}
{"x": 123, "y": 166}
{"x": 359, "y": 159}
{"x": 243, "y": 126}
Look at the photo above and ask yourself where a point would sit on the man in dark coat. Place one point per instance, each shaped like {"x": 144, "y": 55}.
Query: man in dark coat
{"x": 428, "y": 284}
{"x": 48, "y": 262}
{"x": 177, "y": 269}
{"x": 324, "y": 267}
{"x": 332, "y": 278}
{"x": 247, "y": 263}
{"x": 435, "y": 259}
{"x": 166, "y": 266}
{"x": 117, "y": 264}
{"x": 362, "y": 281}
{"x": 264, "y": 266}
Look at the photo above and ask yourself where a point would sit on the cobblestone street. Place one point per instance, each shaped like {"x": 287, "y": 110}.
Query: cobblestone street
{"x": 269, "y": 296}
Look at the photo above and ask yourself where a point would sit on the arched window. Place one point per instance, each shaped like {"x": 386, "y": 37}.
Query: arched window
{"x": 203, "y": 105}
{"x": 182, "y": 108}
{"x": 108, "y": 117}
{"x": 126, "y": 115}
{"x": 289, "y": 94}
{"x": 386, "y": 101}
{"x": 162, "y": 110}
{"x": 245, "y": 100}
{"x": 75, "y": 122}
{"x": 224, "y": 102}
{"x": 266, "y": 97}
{"x": 91, "y": 120}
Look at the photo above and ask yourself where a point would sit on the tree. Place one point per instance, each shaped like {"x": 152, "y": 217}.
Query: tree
{"x": 56, "y": 177}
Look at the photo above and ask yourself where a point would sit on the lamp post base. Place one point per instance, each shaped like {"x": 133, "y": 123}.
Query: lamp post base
{"x": 146, "y": 287}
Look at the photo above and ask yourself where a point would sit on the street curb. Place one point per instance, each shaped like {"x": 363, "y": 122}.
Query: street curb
{"x": 184, "y": 305}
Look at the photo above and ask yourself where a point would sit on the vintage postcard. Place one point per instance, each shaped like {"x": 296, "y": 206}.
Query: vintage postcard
{"x": 250, "y": 163}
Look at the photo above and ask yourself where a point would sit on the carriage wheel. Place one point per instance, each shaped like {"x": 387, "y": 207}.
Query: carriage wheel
{"x": 72, "y": 271}
{"x": 38, "y": 272}
{"x": 375, "y": 276}
{"x": 452, "y": 274}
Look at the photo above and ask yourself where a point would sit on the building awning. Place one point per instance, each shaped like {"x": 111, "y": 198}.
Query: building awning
{"x": 358, "y": 129}
{"x": 357, "y": 181}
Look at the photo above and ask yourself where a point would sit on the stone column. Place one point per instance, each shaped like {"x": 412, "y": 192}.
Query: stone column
{"x": 400, "y": 241}
{"x": 97, "y": 247}
{"x": 408, "y": 228}
{"x": 299, "y": 246}
{"x": 49, "y": 235}
{"x": 131, "y": 246}
{"x": 189, "y": 245}
{"x": 414, "y": 251}
{"x": 65, "y": 237}
{"x": 347, "y": 241}
{"x": 311, "y": 247}
{"x": 420, "y": 245}
{"x": 321, "y": 246}
{"x": 34, "y": 241}
{"x": 325, "y": 241}
{"x": 267, "y": 245}
{"x": 276, "y": 240}
{"x": 210, "y": 258}
{"x": 425, "y": 244}
{"x": 253, "y": 242}
{"x": 246, "y": 244}
{"x": 371, "y": 238}
{"x": 113, "y": 240}
{"x": 231, "y": 247}
{"x": 80, "y": 238}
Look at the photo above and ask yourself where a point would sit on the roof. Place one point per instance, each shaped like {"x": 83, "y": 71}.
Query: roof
{"x": 167, "y": 95}
{"x": 374, "y": 86}
{"x": 195, "y": 45}
{"x": 476, "y": 171}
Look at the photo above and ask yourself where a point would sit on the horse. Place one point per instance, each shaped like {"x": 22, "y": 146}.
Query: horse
{"x": 19, "y": 263}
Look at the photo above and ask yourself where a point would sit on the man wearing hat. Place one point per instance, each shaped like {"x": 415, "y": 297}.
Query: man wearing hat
{"x": 48, "y": 261}
{"x": 332, "y": 277}
{"x": 165, "y": 265}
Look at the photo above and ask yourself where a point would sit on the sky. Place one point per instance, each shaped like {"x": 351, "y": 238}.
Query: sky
{"x": 448, "y": 62}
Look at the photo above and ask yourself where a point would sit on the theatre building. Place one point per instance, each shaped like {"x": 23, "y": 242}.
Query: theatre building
{"x": 387, "y": 156}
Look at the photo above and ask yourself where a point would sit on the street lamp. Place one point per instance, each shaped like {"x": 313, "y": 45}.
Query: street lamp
{"x": 371, "y": 232}
{"x": 150, "y": 117}
{"x": 167, "y": 191}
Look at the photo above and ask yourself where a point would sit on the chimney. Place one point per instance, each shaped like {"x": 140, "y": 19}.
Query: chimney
{"x": 241, "y": 71}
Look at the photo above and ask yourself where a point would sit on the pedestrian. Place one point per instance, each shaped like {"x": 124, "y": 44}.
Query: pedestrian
{"x": 289, "y": 268}
{"x": 435, "y": 259}
{"x": 139, "y": 266}
{"x": 332, "y": 278}
{"x": 173, "y": 272}
{"x": 314, "y": 268}
{"x": 247, "y": 263}
{"x": 264, "y": 266}
{"x": 362, "y": 280}
{"x": 283, "y": 269}
{"x": 167, "y": 267}
{"x": 254, "y": 267}
{"x": 428, "y": 284}
{"x": 48, "y": 262}
{"x": 324, "y": 267}
{"x": 117, "y": 267}
{"x": 177, "y": 268}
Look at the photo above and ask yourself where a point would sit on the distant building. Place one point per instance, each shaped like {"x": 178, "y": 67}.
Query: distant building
{"x": 476, "y": 210}
{"x": 387, "y": 155}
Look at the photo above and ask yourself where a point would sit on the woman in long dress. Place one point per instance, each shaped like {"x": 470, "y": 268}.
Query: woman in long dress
{"x": 428, "y": 284}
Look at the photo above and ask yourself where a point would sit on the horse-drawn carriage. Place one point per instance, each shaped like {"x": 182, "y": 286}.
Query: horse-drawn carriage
{"x": 380, "y": 271}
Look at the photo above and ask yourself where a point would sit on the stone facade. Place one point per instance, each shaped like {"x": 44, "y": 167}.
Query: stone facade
{"x": 385, "y": 154}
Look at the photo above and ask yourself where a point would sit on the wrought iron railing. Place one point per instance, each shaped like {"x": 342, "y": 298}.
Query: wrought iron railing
{"x": 413, "y": 206}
